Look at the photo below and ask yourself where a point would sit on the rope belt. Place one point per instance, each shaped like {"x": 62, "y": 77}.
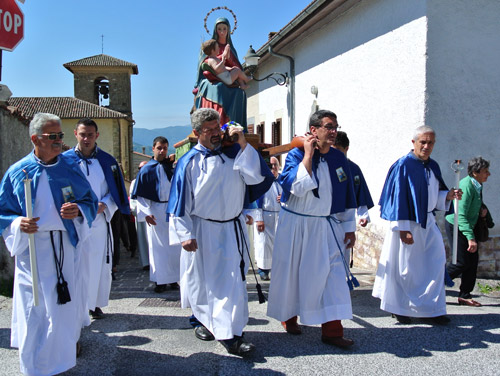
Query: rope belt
{"x": 62, "y": 286}
{"x": 242, "y": 246}
{"x": 351, "y": 279}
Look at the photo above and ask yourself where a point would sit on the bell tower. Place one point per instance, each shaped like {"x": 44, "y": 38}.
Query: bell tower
{"x": 104, "y": 80}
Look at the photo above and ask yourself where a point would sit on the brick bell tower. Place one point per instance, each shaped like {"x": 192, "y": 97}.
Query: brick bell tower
{"x": 104, "y": 80}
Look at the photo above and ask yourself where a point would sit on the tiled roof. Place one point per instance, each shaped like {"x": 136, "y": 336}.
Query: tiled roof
{"x": 64, "y": 107}
{"x": 101, "y": 61}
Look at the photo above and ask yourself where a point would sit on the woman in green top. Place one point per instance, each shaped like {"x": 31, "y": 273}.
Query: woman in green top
{"x": 469, "y": 212}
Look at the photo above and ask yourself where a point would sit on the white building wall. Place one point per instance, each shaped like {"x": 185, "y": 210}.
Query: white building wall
{"x": 369, "y": 67}
{"x": 463, "y": 87}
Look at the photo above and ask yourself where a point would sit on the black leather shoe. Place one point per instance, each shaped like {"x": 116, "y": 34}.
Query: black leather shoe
{"x": 174, "y": 286}
{"x": 402, "y": 319}
{"x": 160, "y": 288}
{"x": 203, "y": 333}
{"x": 97, "y": 314}
{"x": 238, "y": 346}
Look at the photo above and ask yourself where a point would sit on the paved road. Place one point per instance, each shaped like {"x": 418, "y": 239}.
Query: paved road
{"x": 146, "y": 333}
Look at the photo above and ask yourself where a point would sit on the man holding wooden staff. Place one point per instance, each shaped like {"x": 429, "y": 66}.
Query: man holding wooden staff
{"x": 63, "y": 210}
{"x": 411, "y": 270}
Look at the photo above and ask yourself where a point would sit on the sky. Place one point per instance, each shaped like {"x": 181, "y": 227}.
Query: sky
{"x": 162, "y": 37}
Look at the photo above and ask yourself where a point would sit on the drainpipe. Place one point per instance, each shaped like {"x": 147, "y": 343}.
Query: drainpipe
{"x": 291, "y": 112}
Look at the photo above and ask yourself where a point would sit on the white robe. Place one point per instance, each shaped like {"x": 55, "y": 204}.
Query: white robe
{"x": 46, "y": 335}
{"x": 164, "y": 259}
{"x": 309, "y": 276}
{"x": 410, "y": 278}
{"x": 141, "y": 228}
{"x": 97, "y": 251}
{"x": 264, "y": 241}
{"x": 211, "y": 282}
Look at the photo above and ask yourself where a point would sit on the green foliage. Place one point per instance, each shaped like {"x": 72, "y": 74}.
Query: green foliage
{"x": 7, "y": 287}
{"x": 487, "y": 289}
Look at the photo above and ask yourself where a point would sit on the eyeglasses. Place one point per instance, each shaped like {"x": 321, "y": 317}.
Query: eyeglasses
{"x": 332, "y": 129}
{"x": 210, "y": 131}
{"x": 53, "y": 136}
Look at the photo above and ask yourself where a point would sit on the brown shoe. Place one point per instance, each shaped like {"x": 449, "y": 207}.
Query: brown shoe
{"x": 291, "y": 326}
{"x": 469, "y": 302}
{"x": 341, "y": 342}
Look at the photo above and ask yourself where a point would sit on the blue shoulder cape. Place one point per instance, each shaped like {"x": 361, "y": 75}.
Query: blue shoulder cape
{"x": 113, "y": 176}
{"x": 343, "y": 191}
{"x": 66, "y": 174}
{"x": 405, "y": 192}
{"x": 147, "y": 181}
{"x": 363, "y": 197}
{"x": 252, "y": 193}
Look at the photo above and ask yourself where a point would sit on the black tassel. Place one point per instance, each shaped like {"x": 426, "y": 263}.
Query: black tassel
{"x": 63, "y": 296}
{"x": 355, "y": 281}
{"x": 262, "y": 298}
{"x": 242, "y": 270}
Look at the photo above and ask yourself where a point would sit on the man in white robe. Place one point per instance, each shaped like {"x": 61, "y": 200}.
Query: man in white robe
{"x": 364, "y": 200}
{"x": 411, "y": 271}
{"x": 152, "y": 190}
{"x": 266, "y": 223}
{"x": 209, "y": 188}
{"x": 140, "y": 226}
{"x": 64, "y": 208}
{"x": 104, "y": 175}
{"x": 316, "y": 220}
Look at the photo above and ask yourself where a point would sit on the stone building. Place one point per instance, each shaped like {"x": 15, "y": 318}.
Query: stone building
{"x": 385, "y": 67}
{"x": 102, "y": 92}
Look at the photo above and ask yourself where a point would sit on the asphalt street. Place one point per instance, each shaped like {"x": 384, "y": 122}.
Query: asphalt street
{"x": 145, "y": 333}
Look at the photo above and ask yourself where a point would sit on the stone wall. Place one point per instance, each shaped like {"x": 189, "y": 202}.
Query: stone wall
{"x": 368, "y": 246}
{"x": 369, "y": 242}
{"x": 14, "y": 144}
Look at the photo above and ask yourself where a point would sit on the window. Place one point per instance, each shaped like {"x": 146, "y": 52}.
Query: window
{"x": 261, "y": 131}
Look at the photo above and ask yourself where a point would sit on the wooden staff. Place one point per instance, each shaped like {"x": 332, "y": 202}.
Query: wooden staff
{"x": 31, "y": 237}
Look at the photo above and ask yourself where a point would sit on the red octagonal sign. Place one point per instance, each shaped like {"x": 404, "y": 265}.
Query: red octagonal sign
{"x": 11, "y": 25}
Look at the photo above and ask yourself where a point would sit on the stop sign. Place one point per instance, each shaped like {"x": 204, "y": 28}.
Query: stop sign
{"x": 11, "y": 25}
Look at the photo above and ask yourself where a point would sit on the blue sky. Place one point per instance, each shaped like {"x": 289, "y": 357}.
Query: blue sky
{"x": 162, "y": 37}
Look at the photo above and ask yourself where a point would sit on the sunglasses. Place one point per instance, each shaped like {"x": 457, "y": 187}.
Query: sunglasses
{"x": 54, "y": 136}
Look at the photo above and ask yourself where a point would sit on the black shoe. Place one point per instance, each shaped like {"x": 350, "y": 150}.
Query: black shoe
{"x": 174, "y": 286}
{"x": 145, "y": 267}
{"x": 97, "y": 314}
{"x": 402, "y": 319}
{"x": 440, "y": 320}
{"x": 238, "y": 346}
{"x": 160, "y": 288}
{"x": 203, "y": 333}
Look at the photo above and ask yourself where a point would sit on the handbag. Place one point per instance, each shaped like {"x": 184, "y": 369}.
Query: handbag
{"x": 481, "y": 232}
